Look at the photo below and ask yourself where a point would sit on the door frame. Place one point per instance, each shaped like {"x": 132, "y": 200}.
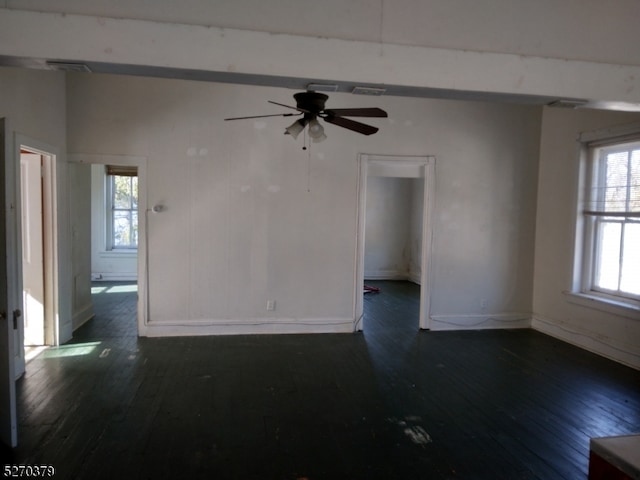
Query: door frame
{"x": 50, "y": 155}
{"x": 50, "y": 230}
{"x": 140, "y": 163}
{"x": 402, "y": 166}
{"x": 10, "y": 302}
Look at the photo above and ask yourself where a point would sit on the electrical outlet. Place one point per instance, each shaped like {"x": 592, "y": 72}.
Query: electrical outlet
{"x": 271, "y": 305}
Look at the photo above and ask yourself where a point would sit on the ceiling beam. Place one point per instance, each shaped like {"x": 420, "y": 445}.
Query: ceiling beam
{"x": 124, "y": 45}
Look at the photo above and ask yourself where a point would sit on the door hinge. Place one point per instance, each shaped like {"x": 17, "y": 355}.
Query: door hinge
{"x": 16, "y": 314}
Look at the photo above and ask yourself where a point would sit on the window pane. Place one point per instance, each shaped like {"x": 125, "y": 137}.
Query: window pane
{"x": 134, "y": 228}
{"x": 616, "y": 182}
{"x": 122, "y": 192}
{"x": 134, "y": 192}
{"x": 121, "y": 229}
{"x": 630, "y": 280}
{"x": 124, "y": 211}
{"x": 634, "y": 192}
{"x": 608, "y": 256}
{"x": 612, "y": 207}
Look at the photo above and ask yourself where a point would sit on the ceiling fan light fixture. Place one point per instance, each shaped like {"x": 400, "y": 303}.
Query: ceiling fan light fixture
{"x": 295, "y": 128}
{"x": 311, "y": 105}
{"x": 316, "y": 131}
{"x": 318, "y": 139}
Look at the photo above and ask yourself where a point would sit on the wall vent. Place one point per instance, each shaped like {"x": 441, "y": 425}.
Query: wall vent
{"x": 373, "y": 91}
{"x": 564, "y": 103}
{"x": 322, "y": 87}
{"x": 68, "y": 66}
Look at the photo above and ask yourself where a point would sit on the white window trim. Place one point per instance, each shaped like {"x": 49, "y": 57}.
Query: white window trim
{"x": 605, "y": 303}
{"x": 580, "y": 292}
{"x": 109, "y": 208}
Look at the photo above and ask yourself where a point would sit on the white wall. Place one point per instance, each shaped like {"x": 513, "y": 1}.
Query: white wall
{"x": 613, "y": 335}
{"x": 393, "y": 236}
{"x": 80, "y": 217}
{"x": 106, "y": 264}
{"x": 251, "y": 217}
{"x": 34, "y": 103}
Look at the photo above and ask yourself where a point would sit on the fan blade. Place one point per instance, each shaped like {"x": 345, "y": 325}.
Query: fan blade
{"x": 356, "y": 112}
{"x": 264, "y": 116}
{"x": 289, "y": 106}
{"x": 351, "y": 125}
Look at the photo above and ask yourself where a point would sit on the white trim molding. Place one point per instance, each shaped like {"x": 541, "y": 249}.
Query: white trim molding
{"x": 621, "y": 308}
{"x": 247, "y": 326}
{"x": 480, "y": 321}
{"x": 627, "y": 354}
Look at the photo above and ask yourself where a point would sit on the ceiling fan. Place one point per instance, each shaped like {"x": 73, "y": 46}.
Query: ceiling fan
{"x": 310, "y": 105}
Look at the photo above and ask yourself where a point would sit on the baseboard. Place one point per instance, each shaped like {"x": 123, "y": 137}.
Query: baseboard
{"x": 114, "y": 277}
{"x": 82, "y": 316}
{"x": 395, "y": 276}
{"x": 386, "y": 275}
{"x": 589, "y": 341}
{"x": 254, "y": 326}
{"x": 480, "y": 321}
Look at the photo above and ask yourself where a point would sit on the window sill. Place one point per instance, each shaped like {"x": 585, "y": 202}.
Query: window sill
{"x": 118, "y": 253}
{"x": 621, "y": 308}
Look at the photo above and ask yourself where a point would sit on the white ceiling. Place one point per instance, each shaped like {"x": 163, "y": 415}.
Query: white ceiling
{"x": 492, "y": 50}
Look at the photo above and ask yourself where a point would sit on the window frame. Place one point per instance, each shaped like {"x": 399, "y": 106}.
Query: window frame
{"x": 110, "y": 173}
{"x": 584, "y": 291}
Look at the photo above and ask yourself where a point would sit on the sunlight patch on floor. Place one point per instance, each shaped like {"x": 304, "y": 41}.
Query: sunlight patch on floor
{"x": 31, "y": 352}
{"x": 114, "y": 289}
{"x": 123, "y": 289}
{"x": 74, "y": 350}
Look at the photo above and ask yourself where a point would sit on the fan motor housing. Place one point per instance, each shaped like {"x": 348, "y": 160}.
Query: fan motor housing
{"x": 311, "y": 101}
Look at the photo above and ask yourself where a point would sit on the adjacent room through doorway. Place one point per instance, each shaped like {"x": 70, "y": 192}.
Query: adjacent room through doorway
{"x": 393, "y": 243}
{"x": 395, "y": 204}
{"x": 109, "y": 236}
{"x": 114, "y": 249}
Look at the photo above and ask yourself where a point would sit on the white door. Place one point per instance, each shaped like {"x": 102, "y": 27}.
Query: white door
{"x": 32, "y": 248}
{"x": 9, "y": 309}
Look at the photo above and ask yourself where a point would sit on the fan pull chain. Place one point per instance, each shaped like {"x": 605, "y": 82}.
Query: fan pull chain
{"x": 304, "y": 147}
{"x": 309, "y": 169}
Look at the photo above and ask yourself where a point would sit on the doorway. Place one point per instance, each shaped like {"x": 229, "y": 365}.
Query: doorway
{"x": 114, "y": 246}
{"x": 114, "y": 235}
{"x": 377, "y": 174}
{"x": 38, "y": 233}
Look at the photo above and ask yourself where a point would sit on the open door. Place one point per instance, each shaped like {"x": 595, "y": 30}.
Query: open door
{"x": 33, "y": 267}
{"x": 9, "y": 310}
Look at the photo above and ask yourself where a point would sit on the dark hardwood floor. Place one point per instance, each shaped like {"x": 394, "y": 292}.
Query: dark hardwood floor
{"x": 389, "y": 403}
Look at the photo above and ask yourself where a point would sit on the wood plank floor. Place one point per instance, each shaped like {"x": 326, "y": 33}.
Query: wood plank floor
{"x": 389, "y": 403}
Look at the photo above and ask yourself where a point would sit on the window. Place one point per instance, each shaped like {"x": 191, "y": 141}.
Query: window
{"x": 122, "y": 211}
{"x": 611, "y": 221}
